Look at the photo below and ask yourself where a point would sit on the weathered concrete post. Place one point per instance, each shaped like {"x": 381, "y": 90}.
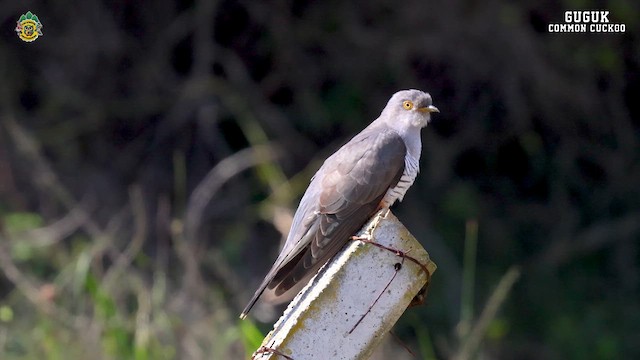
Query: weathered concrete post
{"x": 355, "y": 299}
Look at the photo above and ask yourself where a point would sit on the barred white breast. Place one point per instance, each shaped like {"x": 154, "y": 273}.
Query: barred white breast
{"x": 411, "y": 168}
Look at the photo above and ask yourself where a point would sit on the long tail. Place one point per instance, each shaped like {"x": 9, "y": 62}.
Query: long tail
{"x": 258, "y": 292}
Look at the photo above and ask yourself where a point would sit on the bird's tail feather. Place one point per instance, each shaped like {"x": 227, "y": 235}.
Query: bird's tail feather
{"x": 257, "y": 294}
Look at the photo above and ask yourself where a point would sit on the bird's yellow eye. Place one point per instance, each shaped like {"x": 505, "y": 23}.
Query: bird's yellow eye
{"x": 407, "y": 105}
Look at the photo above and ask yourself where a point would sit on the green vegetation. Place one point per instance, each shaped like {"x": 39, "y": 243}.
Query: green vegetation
{"x": 151, "y": 158}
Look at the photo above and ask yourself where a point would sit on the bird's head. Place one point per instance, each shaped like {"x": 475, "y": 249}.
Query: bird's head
{"x": 408, "y": 109}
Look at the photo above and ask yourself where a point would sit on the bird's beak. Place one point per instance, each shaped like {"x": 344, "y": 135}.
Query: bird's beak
{"x": 429, "y": 109}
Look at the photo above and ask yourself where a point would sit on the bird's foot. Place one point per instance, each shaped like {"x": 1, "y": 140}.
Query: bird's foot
{"x": 380, "y": 215}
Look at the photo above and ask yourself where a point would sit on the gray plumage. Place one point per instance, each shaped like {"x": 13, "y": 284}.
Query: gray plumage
{"x": 370, "y": 172}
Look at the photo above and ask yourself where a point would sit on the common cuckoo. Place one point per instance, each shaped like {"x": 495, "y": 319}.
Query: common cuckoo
{"x": 370, "y": 172}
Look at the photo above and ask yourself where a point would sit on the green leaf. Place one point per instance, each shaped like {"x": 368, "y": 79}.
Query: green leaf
{"x": 117, "y": 341}
{"x": 608, "y": 347}
{"x": 91, "y": 285}
{"x": 6, "y": 313}
{"x": 22, "y": 251}
{"x": 21, "y": 221}
{"x": 498, "y": 329}
{"x": 251, "y": 335}
{"x": 104, "y": 305}
{"x": 29, "y": 15}
{"x": 141, "y": 352}
{"x": 23, "y": 17}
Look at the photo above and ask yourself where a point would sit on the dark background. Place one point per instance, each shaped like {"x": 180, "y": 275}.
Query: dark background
{"x": 115, "y": 243}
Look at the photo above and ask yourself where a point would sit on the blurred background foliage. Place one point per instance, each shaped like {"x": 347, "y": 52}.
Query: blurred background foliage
{"x": 152, "y": 153}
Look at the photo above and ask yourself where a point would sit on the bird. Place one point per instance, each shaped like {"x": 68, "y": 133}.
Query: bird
{"x": 370, "y": 172}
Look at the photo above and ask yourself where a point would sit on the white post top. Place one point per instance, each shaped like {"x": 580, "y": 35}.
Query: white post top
{"x": 318, "y": 323}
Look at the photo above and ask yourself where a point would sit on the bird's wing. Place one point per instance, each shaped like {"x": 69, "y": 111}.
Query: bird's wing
{"x": 342, "y": 196}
